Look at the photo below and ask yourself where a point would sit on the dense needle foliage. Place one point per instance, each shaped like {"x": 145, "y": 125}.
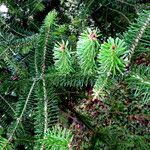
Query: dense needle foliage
{"x": 74, "y": 75}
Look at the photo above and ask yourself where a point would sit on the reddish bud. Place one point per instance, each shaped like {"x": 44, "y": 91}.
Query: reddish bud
{"x": 62, "y": 47}
{"x": 14, "y": 78}
{"x": 93, "y": 36}
{"x": 78, "y": 126}
{"x": 113, "y": 47}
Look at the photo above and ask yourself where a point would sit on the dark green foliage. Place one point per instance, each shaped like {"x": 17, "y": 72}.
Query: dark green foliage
{"x": 137, "y": 37}
{"x": 113, "y": 16}
{"x": 58, "y": 138}
{"x": 117, "y": 138}
{"x": 3, "y": 143}
{"x": 90, "y": 91}
{"x": 139, "y": 83}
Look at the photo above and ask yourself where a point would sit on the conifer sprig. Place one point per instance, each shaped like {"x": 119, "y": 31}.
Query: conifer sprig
{"x": 111, "y": 62}
{"x": 58, "y": 138}
{"x": 111, "y": 56}
{"x": 87, "y": 48}
{"x": 62, "y": 58}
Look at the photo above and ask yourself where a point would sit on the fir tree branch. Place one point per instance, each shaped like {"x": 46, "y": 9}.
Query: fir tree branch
{"x": 140, "y": 79}
{"x": 7, "y": 103}
{"x": 44, "y": 82}
{"x": 138, "y": 38}
{"x": 122, "y": 1}
{"x": 96, "y": 94}
{"x": 124, "y": 16}
{"x": 21, "y": 115}
{"x": 7, "y": 26}
{"x": 44, "y": 87}
{"x": 35, "y": 63}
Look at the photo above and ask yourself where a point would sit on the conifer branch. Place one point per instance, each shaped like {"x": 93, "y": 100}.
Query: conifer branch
{"x": 44, "y": 81}
{"x": 8, "y": 27}
{"x": 67, "y": 82}
{"x": 97, "y": 93}
{"x": 44, "y": 88}
{"x": 140, "y": 79}
{"x": 111, "y": 63}
{"x": 124, "y": 16}
{"x": 35, "y": 63}
{"x": 9, "y": 105}
{"x": 21, "y": 115}
{"x": 44, "y": 85}
{"x": 138, "y": 37}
